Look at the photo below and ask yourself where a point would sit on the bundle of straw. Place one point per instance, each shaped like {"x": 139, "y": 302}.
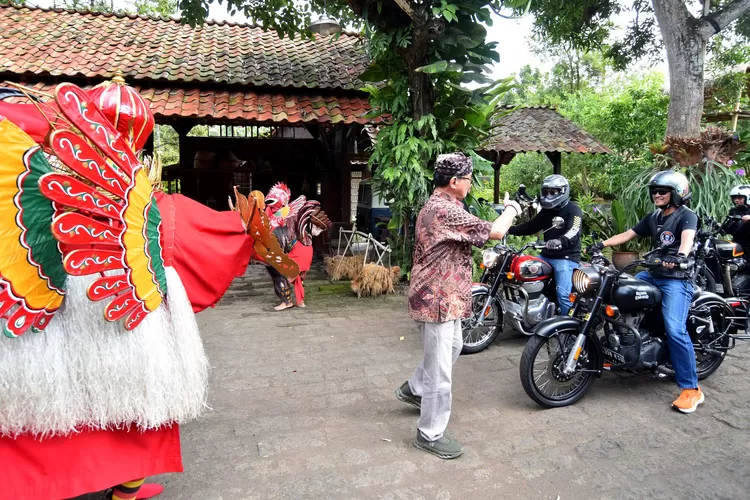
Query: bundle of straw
{"x": 340, "y": 266}
{"x": 373, "y": 280}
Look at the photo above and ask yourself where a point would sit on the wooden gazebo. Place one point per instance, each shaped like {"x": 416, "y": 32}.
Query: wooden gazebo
{"x": 536, "y": 129}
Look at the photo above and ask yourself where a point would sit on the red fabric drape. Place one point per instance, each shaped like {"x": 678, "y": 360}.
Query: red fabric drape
{"x": 28, "y": 118}
{"x": 208, "y": 249}
{"x": 89, "y": 461}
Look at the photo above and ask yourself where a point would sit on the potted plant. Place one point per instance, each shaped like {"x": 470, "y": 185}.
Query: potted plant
{"x": 615, "y": 222}
{"x": 630, "y": 251}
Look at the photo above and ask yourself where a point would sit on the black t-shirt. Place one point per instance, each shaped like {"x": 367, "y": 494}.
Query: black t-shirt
{"x": 569, "y": 235}
{"x": 666, "y": 231}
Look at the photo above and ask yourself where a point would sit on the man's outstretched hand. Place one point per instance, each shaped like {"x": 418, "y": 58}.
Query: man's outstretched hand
{"x": 596, "y": 247}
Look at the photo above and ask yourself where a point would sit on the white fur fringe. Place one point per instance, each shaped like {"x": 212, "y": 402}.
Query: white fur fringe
{"x": 86, "y": 372}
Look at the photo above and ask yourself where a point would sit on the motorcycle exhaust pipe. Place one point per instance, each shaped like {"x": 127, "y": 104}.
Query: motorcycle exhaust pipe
{"x": 728, "y": 280}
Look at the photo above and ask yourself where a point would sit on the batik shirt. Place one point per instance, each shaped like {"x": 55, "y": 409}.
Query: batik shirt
{"x": 440, "y": 288}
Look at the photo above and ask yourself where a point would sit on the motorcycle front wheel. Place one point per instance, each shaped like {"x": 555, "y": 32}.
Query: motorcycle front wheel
{"x": 478, "y": 337}
{"x": 541, "y": 370}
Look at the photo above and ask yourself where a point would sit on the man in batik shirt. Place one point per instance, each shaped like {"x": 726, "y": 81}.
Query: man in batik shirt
{"x": 440, "y": 294}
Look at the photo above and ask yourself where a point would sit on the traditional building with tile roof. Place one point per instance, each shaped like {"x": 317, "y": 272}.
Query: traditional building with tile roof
{"x": 300, "y": 95}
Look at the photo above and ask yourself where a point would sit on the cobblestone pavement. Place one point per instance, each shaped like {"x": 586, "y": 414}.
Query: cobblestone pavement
{"x": 302, "y": 407}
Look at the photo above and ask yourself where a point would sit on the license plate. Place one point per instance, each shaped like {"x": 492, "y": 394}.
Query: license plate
{"x": 616, "y": 356}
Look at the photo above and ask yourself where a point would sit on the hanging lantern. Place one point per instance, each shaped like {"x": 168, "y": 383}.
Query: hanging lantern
{"x": 124, "y": 107}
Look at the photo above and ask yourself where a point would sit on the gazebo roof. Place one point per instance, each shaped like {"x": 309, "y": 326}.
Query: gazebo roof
{"x": 540, "y": 129}
{"x": 219, "y": 71}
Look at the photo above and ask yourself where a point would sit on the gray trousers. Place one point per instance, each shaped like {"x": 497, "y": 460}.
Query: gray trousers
{"x": 432, "y": 379}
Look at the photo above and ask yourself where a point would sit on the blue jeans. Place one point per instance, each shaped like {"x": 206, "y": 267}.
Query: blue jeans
{"x": 675, "y": 305}
{"x": 563, "y": 280}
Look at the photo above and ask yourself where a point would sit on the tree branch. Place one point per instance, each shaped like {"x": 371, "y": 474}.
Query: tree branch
{"x": 724, "y": 17}
{"x": 404, "y": 4}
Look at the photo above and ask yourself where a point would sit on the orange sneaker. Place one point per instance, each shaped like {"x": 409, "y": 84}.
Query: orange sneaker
{"x": 689, "y": 400}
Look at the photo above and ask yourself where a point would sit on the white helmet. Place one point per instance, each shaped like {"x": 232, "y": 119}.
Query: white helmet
{"x": 741, "y": 190}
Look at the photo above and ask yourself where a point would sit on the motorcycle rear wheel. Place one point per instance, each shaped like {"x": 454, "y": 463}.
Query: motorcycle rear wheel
{"x": 707, "y": 363}
{"x": 741, "y": 285}
{"x": 479, "y": 337}
{"x": 541, "y": 370}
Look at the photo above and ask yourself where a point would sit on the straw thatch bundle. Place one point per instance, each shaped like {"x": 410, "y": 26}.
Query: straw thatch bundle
{"x": 373, "y": 280}
{"x": 343, "y": 266}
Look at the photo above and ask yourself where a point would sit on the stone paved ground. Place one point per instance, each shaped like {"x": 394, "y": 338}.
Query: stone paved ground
{"x": 302, "y": 407}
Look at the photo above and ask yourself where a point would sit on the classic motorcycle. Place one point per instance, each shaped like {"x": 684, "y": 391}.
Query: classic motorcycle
{"x": 721, "y": 266}
{"x": 616, "y": 323}
{"x": 515, "y": 285}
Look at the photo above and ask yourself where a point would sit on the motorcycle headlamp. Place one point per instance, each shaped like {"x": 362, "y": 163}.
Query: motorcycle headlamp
{"x": 490, "y": 258}
{"x": 586, "y": 280}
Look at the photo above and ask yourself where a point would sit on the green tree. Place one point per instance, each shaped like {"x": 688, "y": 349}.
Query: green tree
{"x": 423, "y": 53}
{"x": 164, "y": 8}
{"x": 684, "y": 29}
{"x": 627, "y": 114}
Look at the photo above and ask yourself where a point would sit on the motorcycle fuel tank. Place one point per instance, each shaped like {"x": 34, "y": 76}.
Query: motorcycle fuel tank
{"x": 632, "y": 295}
{"x": 530, "y": 268}
{"x": 728, "y": 249}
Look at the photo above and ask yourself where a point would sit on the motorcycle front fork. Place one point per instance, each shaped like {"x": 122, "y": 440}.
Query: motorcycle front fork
{"x": 486, "y": 309}
{"x": 575, "y": 353}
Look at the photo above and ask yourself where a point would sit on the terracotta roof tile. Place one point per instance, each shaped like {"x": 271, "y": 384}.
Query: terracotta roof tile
{"x": 540, "y": 129}
{"x": 95, "y": 45}
{"x": 248, "y": 106}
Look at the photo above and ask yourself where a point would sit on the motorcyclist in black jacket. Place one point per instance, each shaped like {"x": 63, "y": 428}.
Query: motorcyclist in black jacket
{"x": 739, "y": 228}
{"x": 563, "y": 250}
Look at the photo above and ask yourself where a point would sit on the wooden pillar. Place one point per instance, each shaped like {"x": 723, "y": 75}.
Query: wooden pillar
{"x": 343, "y": 168}
{"x": 149, "y": 146}
{"x": 501, "y": 158}
{"x": 496, "y": 184}
{"x": 182, "y": 128}
{"x": 556, "y": 158}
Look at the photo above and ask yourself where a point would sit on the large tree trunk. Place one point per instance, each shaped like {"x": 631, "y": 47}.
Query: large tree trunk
{"x": 683, "y": 41}
{"x": 420, "y": 84}
{"x": 684, "y": 37}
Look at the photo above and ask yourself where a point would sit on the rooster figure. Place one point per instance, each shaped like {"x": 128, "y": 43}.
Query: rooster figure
{"x": 100, "y": 277}
{"x": 295, "y": 223}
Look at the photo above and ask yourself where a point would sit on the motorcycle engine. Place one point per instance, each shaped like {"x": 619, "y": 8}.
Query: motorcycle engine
{"x": 653, "y": 353}
{"x": 623, "y": 339}
{"x": 540, "y": 307}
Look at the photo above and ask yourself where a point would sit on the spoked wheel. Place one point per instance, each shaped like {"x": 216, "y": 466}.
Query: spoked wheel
{"x": 541, "y": 370}
{"x": 710, "y": 346}
{"x": 478, "y": 337}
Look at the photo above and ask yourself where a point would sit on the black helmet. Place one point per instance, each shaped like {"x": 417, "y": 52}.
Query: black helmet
{"x": 559, "y": 200}
{"x": 675, "y": 182}
{"x": 741, "y": 190}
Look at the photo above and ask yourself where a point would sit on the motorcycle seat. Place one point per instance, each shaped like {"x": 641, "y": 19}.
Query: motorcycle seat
{"x": 696, "y": 292}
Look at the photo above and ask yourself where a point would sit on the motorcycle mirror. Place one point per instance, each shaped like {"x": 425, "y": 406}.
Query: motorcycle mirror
{"x": 558, "y": 222}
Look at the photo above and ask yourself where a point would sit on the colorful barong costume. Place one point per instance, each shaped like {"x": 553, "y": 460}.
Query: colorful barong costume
{"x": 101, "y": 358}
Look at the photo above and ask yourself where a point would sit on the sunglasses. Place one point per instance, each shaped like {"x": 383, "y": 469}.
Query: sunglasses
{"x": 550, "y": 192}
{"x": 660, "y": 192}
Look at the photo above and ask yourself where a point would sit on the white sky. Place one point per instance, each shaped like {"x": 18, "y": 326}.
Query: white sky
{"x": 511, "y": 35}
